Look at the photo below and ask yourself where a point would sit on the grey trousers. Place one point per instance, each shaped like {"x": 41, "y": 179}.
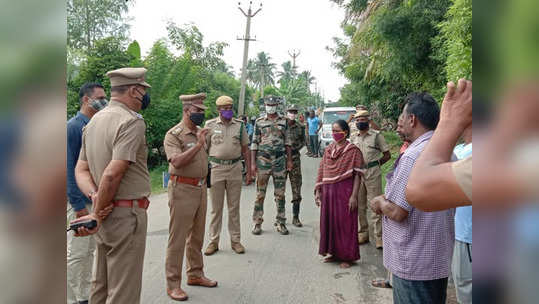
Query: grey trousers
{"x": 461, "y": 268}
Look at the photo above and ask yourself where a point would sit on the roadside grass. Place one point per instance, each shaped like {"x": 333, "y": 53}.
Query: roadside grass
{"x": 156, "y": 177}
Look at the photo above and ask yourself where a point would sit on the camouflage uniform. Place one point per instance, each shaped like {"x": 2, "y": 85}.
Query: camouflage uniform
{"x": 296, "y": 133}
{"x": 269, "y": 139}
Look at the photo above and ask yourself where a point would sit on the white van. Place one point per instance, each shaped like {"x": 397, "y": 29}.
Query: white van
{"x": 328, "y": 117}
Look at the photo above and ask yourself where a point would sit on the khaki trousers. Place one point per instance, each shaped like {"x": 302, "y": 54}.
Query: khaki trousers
{"x": 80, "y": 258}
{"x": 233, "y": 194}
{"x": 186, "y": 229}
{"x": 371, "y": 187}
{"x": 121, "y": 241}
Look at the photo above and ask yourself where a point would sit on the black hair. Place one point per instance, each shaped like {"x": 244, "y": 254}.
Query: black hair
{"x": 87, "y": 89}
{"x": 344, "y": 126}
{"x": 425, "y": 108}
{"x": 120, "y": 89}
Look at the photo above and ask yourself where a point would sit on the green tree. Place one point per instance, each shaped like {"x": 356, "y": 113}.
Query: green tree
{"x": 91, "y": 20}
{"x": 106, "y": 54}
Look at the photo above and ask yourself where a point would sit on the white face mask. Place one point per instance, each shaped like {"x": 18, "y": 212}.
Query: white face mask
{"x": 271, "y": 109}
{"x": 291, "y": 116}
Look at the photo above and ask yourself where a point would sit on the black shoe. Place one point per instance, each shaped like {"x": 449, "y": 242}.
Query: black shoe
{"x": 296, "y": 222}
{"x": 281, "y": 228}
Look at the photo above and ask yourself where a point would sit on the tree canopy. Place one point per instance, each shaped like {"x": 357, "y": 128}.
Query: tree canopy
{"x": 392, "y": 48}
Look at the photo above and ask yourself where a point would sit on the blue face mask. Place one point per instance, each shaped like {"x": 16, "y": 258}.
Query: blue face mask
{"x": 145, "y": 100}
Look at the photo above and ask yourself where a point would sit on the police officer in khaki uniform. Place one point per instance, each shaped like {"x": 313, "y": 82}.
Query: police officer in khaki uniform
{"x": 372, "y": 144}
{"x": 112, "y": 168}
{"x": 185, "y": 147}
{"x": 227, "y": 141}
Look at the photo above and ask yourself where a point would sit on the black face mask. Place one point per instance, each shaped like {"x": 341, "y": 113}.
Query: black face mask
{"x": 197, "y": 118}
{"x": 145, "y": 100}
{"x": 362, "y": 125}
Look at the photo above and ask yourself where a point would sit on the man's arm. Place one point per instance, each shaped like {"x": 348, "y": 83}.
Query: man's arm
{"x": 179, "y": 160}
{"x": 385, "y": 158}
{"x": 84, "y": 178}
{"x": 432, "y": 185}
{"x": 109, "y": 184}
{"x": 383, "y": 206}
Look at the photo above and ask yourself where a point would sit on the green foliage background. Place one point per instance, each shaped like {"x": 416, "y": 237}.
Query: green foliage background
{"x": 395, "y": 47}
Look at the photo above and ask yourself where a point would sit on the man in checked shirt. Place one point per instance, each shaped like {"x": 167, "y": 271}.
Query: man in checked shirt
{"x": 418, "y": 245}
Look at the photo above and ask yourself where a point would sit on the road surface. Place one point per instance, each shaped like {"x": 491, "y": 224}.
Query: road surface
{"x": 275, "y": 268}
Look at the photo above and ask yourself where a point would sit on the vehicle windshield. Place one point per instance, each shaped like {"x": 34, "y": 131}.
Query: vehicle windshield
{"x": 331, "y": 117}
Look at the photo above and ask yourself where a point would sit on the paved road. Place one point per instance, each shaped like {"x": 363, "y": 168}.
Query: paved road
{"x": 275, "y": 268}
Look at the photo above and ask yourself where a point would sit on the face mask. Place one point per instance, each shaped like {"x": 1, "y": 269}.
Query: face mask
{"x": 271, "y": 109}
{"x": 145, "y": 100}
{"x": 98, "y": 104}
{"x": 362, "y": 125}
{"x": 197, "y": 118}
{"x": 292, "y": 116}
{"x": 227, "y": 114}
{"x": 338, "y": 136}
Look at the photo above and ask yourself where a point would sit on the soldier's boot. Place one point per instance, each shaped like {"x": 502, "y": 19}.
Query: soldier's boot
{"x": 257, "y": 230}
{"x": 281, "y": 228}
{"x": 363, "y": 238}
{"x": 295, "y": 220}
{"x": 211, "y": 249}
{"x": 238, "y": 247}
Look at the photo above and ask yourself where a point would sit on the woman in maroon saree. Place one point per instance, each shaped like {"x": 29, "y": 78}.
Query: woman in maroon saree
{"x": 336, "y": 190}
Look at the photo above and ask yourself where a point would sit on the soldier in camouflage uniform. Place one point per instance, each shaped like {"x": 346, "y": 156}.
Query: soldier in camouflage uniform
{"x": 271, "y": 153}
{"x": 296, "y": 133}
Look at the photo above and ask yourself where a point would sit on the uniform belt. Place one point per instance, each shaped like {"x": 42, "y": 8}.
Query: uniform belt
{"x": 371, "y": 164}
{"x": 193, "y": 181}
{"x": 224, "y": 161}
{"x": 141, "y": 202}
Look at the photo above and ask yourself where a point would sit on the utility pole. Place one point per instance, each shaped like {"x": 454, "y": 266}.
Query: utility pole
{"x": 294, "y": 54}
{"x": 246, "y": 40}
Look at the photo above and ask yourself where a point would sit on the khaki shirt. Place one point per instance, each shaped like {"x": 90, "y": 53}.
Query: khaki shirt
{"x": 178, "y": 140}
{"x": 225, "y": 142}
{"x": 118, "y": 133}
{"x": 463, "y": 173}
{"x": 371, "y": 145}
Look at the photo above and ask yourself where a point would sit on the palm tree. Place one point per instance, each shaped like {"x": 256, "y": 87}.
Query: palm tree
{"x": 307, "y": 77}
{"x": 288, "y": 72}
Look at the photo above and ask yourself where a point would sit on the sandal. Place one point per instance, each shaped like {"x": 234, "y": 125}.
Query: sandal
{"x": 381, "y": 283}
{"x": 328, "y": 259}
{"x": 344, "y": 265}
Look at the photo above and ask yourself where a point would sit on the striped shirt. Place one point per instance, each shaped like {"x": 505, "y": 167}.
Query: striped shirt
{"x": 421, "y": 246}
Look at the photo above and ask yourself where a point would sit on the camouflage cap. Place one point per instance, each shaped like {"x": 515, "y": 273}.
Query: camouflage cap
{"x": 293, "y": 107}
{"x": 126, "y": 76}
{"x": 271, "y": 100}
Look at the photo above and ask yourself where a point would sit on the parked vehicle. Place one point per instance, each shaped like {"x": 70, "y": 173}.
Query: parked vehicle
{"x": 328, "y": 117}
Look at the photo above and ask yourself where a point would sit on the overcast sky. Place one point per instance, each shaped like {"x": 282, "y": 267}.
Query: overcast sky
{"x": 281, "y": 25}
